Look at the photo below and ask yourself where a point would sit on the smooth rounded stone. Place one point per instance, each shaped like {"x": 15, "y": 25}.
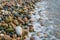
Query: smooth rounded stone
{"x": 20, "y": 20}
{"x": 25, "y": 19}
{"x": 32, "y": 38}
{"x": 25, "y": 32}
{"x": 45, "y": 35}
{"x": 37, "y": 27}
{"x": 6, "y": 12}
{"x": 44, "y": 12}
{"x": 0, "y": 19}
{"x": 31, "y": 29}
{"x": 44, "y": 18}
{"x": 13, "y": 38}
{"x": 57, "y": 35}
{"x": 43, "y": 22}
{"x": 2, "y": 10}
{"x": 18, "y": 30}
{"x": 2, "y": 35}
{"x": 37, "y": 38}
{"x": 38, "y": 34}
{"x": 25, "y": 37}
{"x": 1, "y": 7}
{"x": 8, "y": 19}
{"x": 4, "y": 25}
{"x": 28, "y": 16}
{"x": 16, "y": 22}
{"x": 31, "y": 12}
{"x": 7, "y": 37}
{"x": 33, "y": 19}
{"x": 18, "y": 38}
{"x": 9, "y": 30}
{"x": 18, "y": 5}
{"x": 1, "y": 28}
{"x": 16, "y": 14}
{"x": 42, "y": 15}
{"x": 31, "y": 33}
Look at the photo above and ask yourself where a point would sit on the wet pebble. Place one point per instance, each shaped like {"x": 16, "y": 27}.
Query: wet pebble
{"x": 9, "y": 30}
{"x": 32, "y": 38}
{"x": 31, "y": 29}
{"x": 18, "y": 30}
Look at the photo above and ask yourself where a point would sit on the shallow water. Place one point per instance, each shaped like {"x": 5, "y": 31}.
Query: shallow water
{"x": 49, "y": 12}
{"x": 54, "y": 11}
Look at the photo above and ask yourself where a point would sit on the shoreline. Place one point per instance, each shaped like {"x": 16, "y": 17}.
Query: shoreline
{"x": 26, "y": 21}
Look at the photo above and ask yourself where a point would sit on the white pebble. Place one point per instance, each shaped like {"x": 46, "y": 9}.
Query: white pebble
{"x": 1, "y": 34}
{"x": 18, "y": 30}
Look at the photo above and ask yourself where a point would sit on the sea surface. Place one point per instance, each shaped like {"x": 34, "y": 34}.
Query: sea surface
{"x": 54, "y": 11}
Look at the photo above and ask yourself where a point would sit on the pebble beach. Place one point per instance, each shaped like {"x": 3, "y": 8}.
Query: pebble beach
{"x": 28, "y": 20}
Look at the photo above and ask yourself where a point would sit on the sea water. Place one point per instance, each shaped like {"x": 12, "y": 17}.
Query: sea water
{"x": 45, "y": 21}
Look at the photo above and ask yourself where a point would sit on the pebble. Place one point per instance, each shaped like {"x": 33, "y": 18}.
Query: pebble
{"x": 7, "y": 37}
{"x": 6, "y": 12}
{"x": 25, "y": 19}
{"x": 0, "y": 19}
{"x": 57, "y": 35}
{"x": 18, "y": 38}
{"x": 13, "y": 38}
{"x": 31, "y": 29}
{"x": 9, "y": 30}
{"x": 1, "y": 35}
{"x": 16, "y": 22}
{"x": 45, "y": 35}
{"x": 18, "y": 30}
{"x": 20, "y": 20}
{"x": 32, "y": 38}
{"x": 38, "y": 34}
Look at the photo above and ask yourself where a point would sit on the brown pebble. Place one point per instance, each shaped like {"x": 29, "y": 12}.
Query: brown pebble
{"x": 7, "y": 37}
{"x": 32, "y": 38}
{"x": 25, "y": 37}
{"x": 45, "y": 35}
{"x": 31, "y": 29}
{"x": 15, "y": 22}
{"x": 20, "y": 20}
{"x": 13, "y": 25}
{"x": 25, "y": 19}
{"x": 25, "y": 32}
{"x": 18, "y": 38}
{"x": 5, "y": 25}
{"x": 13, "y": 38}
{"x": 31, "y": 12}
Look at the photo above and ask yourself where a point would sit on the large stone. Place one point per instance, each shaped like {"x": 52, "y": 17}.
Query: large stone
{"x": 18, "y": 30}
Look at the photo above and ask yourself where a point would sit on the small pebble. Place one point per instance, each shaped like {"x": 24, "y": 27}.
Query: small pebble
{"x": 2, "y": 35}
{"x": 32, "y": 38}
